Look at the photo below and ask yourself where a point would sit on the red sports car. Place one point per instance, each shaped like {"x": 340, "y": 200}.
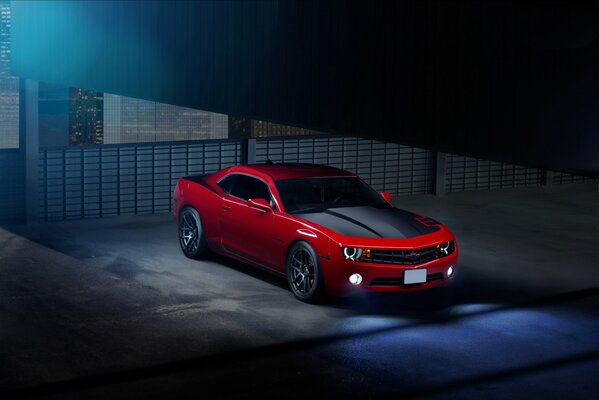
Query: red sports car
{"x": 322, "y": 228}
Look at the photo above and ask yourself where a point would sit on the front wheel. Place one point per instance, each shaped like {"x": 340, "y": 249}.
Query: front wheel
{"x": 191, "y": 234}
{"x": 304, "y": 273}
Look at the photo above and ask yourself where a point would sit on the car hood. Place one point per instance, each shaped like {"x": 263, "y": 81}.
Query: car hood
{"x": 371, "y": 222}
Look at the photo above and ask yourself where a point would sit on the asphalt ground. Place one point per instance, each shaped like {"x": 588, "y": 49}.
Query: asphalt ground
{"x": 110, "y": 308}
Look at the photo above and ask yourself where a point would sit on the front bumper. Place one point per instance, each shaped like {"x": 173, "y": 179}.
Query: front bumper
{"x": 380, "y": 278}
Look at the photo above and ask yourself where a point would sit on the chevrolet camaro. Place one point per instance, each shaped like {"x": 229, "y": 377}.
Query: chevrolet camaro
{"x": 324, "y": 229}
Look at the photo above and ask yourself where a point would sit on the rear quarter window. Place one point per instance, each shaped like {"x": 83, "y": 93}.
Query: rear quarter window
{"x": 226, "y": 183}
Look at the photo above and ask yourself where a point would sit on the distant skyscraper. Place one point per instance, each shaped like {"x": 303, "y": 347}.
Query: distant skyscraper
{"x": 129, "y": 120}
{"x": 9, "y": 85}
{"x": 86, "y": 117}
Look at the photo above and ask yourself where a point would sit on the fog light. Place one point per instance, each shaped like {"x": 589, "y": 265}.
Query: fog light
{"x": 450, "y": 272}
{"x": 355, "y": 279}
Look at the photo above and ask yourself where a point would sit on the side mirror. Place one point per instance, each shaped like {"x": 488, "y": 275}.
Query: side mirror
{"x": 386, "y": 196}
{"x": 259, "y": 204}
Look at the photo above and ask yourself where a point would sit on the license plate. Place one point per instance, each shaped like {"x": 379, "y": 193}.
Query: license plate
{"x": 414, "y": 276}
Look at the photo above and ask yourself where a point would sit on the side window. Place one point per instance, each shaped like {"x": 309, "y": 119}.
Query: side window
{"x": 226, "y": 183}
{"x": 246, "y": 187}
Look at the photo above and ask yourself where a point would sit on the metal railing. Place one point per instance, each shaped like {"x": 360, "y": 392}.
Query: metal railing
{"x": 466, "y": 173}
{"x": 560, "y": 178}
{"x": 123, "y": 179}
{"x": 398, "y": 169}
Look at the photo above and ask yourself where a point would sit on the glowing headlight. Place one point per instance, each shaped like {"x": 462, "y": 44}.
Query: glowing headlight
{"x": 352, "y": 253}
{"x": 444, "y": 249}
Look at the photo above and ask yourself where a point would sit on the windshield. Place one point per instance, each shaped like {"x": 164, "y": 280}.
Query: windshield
{"x": 319, "y": 194}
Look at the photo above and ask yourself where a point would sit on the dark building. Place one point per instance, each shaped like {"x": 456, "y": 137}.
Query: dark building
{"x": 86, "y": 115}
{"x": 239, "y": 127}
{"x": 129, "y": 120}
{"x": 54, "y": 105}
{"x": 242, "y": 127}
{"x": 270, "y": 129}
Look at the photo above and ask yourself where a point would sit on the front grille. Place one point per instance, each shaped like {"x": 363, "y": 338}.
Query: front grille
{"x": 407, "y": 257}
{"x": 399, "y": 281}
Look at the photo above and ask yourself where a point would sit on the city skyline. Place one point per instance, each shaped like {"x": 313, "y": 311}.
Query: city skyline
{"x": 86, "y": 117}
{"x": 102, "y": 118}
{"x": 9, "y": 85}
{"x": 130, "y": 120}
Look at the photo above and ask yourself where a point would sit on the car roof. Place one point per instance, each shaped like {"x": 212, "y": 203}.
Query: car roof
{"x": 294, "y": 170}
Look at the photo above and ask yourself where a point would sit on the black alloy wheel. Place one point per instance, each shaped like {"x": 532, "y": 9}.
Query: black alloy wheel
{"x": 191, "y": 235}
{"x": 304, "y": 273}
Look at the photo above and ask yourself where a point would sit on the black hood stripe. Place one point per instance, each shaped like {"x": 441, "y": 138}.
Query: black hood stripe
{"x": 370, "y": 222}
{"x": 353, "y": 221}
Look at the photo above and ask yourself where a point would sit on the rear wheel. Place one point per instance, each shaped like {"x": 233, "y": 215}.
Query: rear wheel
{"x": 304, "y": 273}
{"x": 191, "y": 234}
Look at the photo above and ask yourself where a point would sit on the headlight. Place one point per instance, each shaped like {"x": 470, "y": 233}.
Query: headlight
{"x": 352, "y": 253}
{"x": 445, "y": 249}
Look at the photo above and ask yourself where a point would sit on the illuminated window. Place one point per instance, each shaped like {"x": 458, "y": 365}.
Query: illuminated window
{"x": 9, "y": 86}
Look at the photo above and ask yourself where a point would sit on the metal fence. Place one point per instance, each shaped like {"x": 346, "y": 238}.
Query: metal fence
{"x": 466, "y": 173}
{"x": 110, "y": 180}
{"x": 400, "y": 170}
{"x": 559, "y": 178}
{"x": 123, "y": 179}
{"x": 12, "y": 186}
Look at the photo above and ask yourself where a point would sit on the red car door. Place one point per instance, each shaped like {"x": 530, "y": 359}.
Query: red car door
{"x": 247, "y": 231}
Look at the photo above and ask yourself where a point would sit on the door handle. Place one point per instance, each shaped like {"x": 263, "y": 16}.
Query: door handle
{"x": 226, "y": 208}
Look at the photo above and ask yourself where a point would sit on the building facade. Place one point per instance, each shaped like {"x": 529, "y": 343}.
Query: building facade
{"x": 129, "y": 120}
{"x": 9, "y": 85}
{"x": 270, "y": 129}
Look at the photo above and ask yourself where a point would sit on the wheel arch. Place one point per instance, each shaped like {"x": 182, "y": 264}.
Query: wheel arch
{"x": 192, "y": 233}
{"x": 320, "y": 244}
{"x": 291, "y": 244}
{"x": 320, "y": 291}
{"x": 181, "y": 208}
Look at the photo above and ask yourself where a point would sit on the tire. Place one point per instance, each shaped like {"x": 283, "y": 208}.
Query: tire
{"x": 304, "y": 273}
{"x": 191, "y": 234}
